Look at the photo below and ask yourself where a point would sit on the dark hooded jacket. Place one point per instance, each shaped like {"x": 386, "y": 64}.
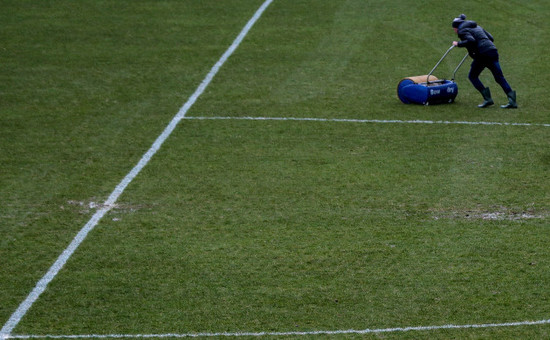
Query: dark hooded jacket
{"x": 478, "y": 41}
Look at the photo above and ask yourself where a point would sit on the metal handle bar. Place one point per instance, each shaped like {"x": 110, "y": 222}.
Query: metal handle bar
{"x": 456, "y": 69}
{"x": 439, "y": 62}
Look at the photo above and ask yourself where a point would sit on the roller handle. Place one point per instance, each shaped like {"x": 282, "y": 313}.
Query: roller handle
{"x": 439, "y": 62}
{"x": 456, "y": 69}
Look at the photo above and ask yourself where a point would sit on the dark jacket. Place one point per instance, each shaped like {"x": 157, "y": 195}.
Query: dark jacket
{"x": 478, "y": 41}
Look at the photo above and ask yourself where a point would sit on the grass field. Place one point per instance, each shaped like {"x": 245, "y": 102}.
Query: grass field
{"x": 297, "y": 198}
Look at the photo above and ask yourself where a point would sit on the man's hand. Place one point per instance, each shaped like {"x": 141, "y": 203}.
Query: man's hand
{"x": 455, "y": 43}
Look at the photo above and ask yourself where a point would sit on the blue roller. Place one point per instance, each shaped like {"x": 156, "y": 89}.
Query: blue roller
{"x": 440, "y": 91}
{"x": 428, "y": 90}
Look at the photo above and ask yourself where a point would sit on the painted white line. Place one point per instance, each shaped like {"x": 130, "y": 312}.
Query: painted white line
{"x": 376, "y": 121}
{"x": 260, "y": 334}
{"x": 16, "y": 317}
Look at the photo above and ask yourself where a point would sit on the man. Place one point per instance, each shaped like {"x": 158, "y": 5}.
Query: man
{"x": 481, "y": 48}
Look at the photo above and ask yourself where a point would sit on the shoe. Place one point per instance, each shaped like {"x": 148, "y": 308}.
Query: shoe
{"x": 488, "y": 101}
{"x": 511, "y": 101}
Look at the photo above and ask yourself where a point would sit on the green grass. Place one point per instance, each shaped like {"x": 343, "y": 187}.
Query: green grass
{"x": 241, "y": 225}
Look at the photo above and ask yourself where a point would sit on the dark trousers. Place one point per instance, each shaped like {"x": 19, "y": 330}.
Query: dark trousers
{"x": 490, "y": 61}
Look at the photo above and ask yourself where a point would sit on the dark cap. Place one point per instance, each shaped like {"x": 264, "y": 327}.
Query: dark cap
{"x": 459, "y": 20}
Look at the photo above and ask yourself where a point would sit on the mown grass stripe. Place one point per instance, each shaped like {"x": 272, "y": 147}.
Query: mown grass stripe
{"x": 52, "y": 272}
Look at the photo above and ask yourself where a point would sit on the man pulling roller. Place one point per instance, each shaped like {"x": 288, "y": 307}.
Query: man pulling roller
{"x": 483, "y": 51}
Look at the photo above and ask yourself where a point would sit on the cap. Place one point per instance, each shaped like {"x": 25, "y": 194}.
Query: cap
{"x": 459, "y": 20}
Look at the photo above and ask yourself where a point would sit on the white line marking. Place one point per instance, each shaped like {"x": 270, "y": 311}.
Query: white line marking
{"x": 392, "y": 121}
{"x": 109, "y": 203}
{"x": 259, "y": 334}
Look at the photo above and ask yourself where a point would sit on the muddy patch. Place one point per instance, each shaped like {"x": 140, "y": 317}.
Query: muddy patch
{"x": 91, "y": 206}
{"x": 496, "y": 214}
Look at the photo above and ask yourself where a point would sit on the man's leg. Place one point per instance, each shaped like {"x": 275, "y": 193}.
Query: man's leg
{"x": 496, "y": 70}
{"x": 475, "y": 71}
